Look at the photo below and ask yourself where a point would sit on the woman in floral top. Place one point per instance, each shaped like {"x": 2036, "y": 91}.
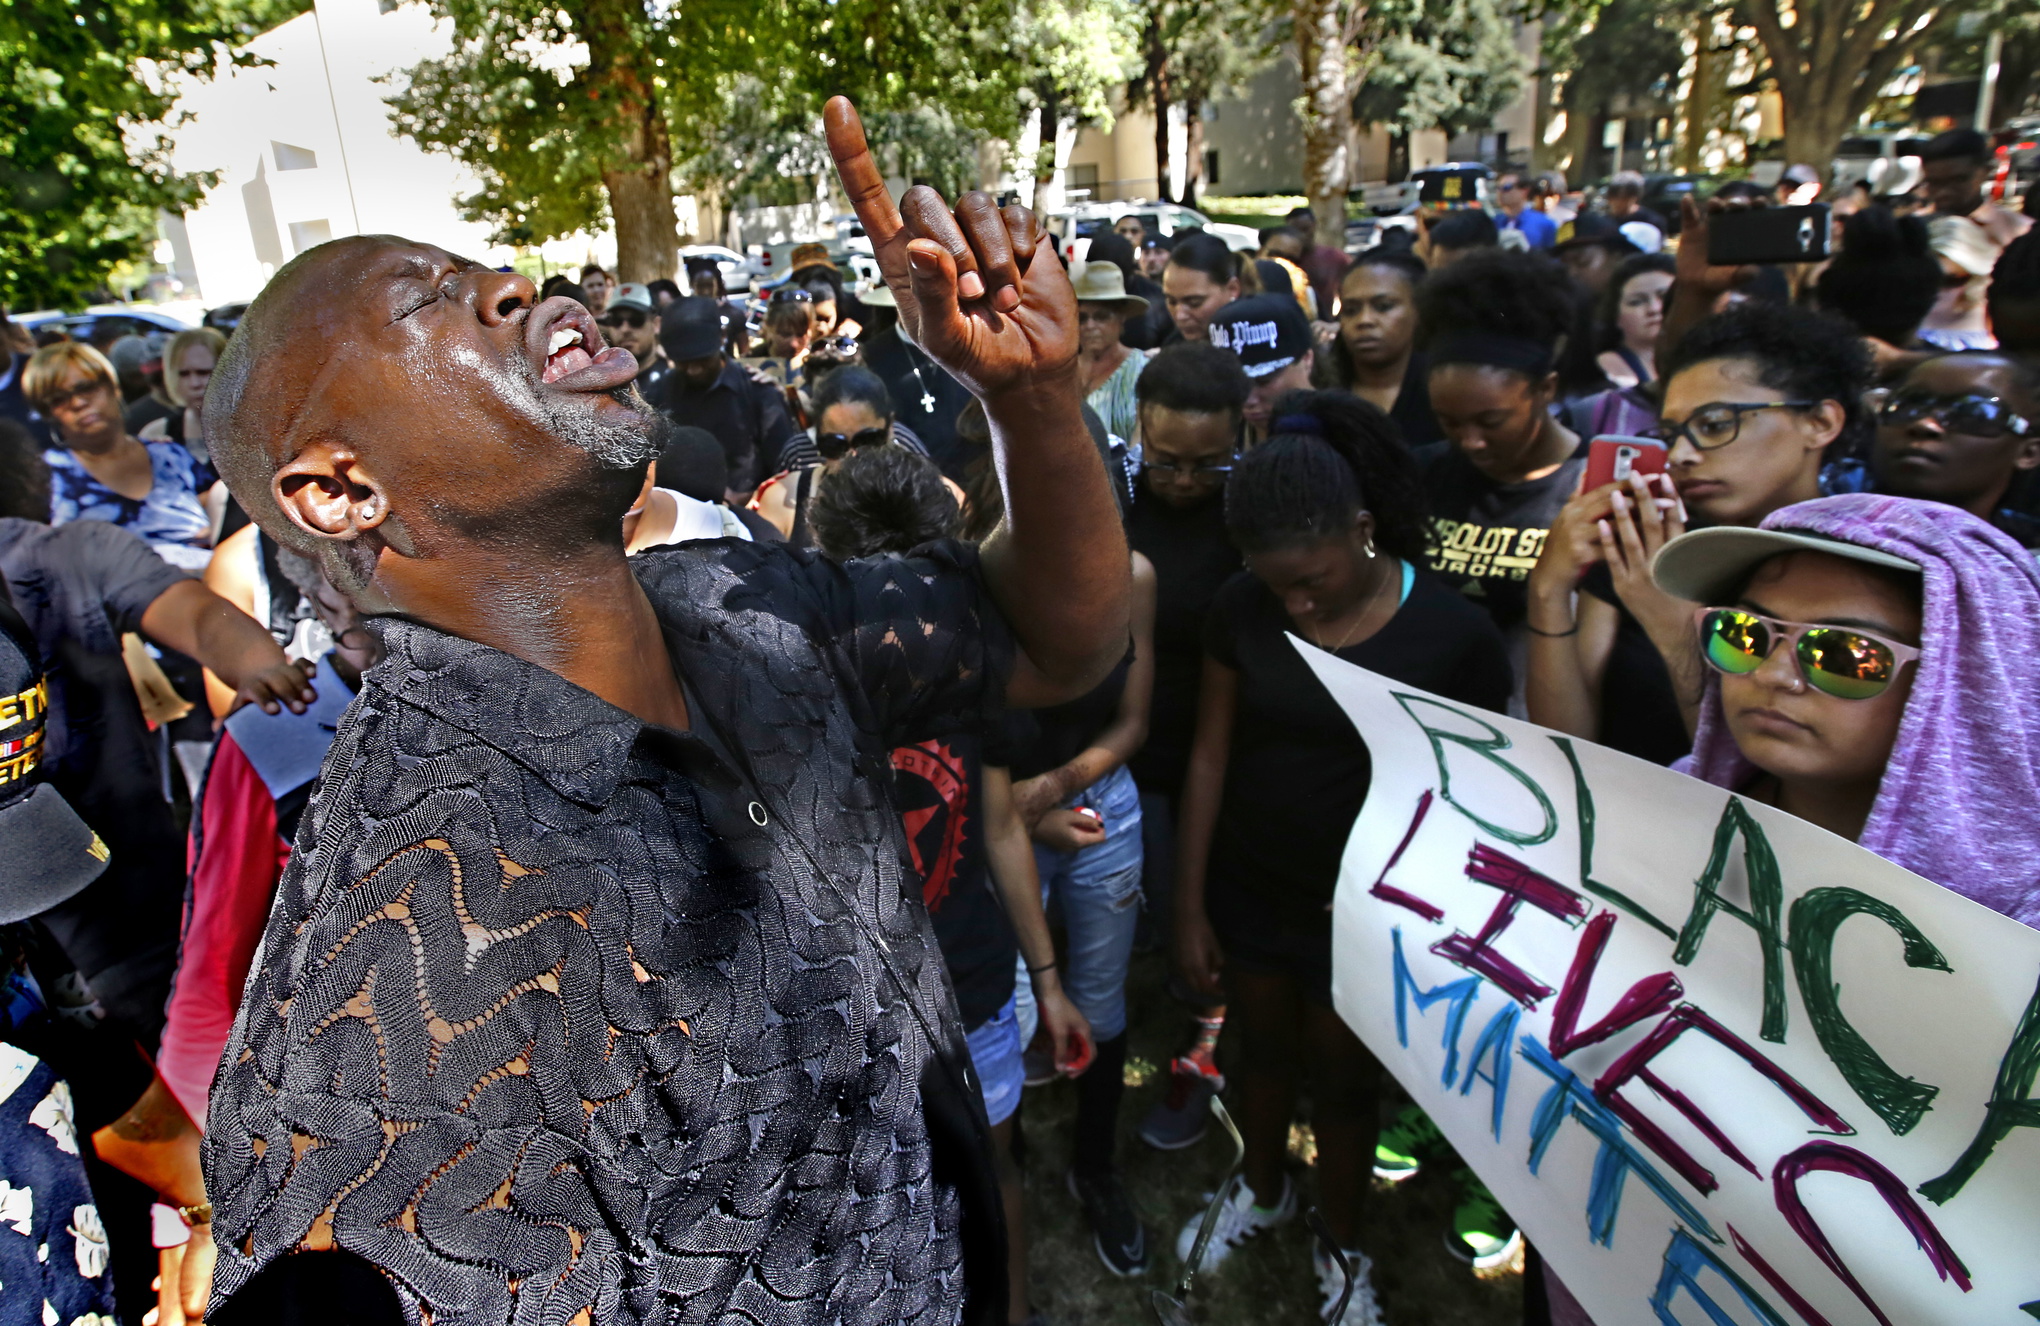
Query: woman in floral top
{"x": 99, "y": 472}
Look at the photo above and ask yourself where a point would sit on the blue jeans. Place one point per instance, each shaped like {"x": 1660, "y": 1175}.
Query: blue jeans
{"x": 1098, "y": 892}
{"x": 995, "y": 1047}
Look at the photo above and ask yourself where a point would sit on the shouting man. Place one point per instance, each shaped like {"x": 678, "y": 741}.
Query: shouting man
{"x": 593, "y": 992}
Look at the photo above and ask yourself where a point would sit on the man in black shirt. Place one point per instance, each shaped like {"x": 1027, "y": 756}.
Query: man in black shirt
{"x": 706, "y": 389}
{"x": 592, "y": 991}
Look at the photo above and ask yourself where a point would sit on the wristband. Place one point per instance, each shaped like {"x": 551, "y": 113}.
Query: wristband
{"x": 1553, "y": 635}
{"x": 1044, "y": 967}
{"x": 201, "y": 1214}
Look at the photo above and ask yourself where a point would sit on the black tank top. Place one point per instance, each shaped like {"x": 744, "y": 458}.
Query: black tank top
{"x": 1045, "y": 739}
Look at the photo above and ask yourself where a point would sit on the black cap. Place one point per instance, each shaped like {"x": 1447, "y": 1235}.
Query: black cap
{"x": 47, "y": 854}
{"x": 1594, "y": 228}
{"x": 692, "y": 328}
{"x": 1267, "y": 333}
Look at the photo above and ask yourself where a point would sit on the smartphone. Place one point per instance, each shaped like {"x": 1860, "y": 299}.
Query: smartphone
{"x": 1768, "y": 235}
{"x": 1450, "y": 188}
{"x": 1612, "y": 459}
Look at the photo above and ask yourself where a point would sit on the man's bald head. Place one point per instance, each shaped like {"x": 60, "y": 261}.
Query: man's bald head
{"x": 386, "y": 395}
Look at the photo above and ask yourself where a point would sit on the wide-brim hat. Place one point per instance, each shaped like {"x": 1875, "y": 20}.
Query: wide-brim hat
{"x": 1103, "y": 283}
{"x": 1707, "y": 565}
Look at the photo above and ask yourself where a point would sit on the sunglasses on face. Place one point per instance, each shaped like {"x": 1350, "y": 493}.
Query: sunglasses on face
{"x": 1215, "y": 470}
{"x": 76, "y": 398}
{"x": 1835, "y": 660}
{"x": 622, "y": 318}
{"x": 1718, "y": 424}
{"x": 1973, "y": 415}
{"x": 832, "y": 445}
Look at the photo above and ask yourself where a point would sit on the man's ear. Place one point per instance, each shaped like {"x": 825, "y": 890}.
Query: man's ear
{"x": 2029, "y": 455}
{"x": 327, "y": 491}
{"x": 1826, "y": 422}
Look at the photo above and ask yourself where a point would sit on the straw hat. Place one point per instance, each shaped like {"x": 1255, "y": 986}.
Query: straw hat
{"x": 1104, "y": 283}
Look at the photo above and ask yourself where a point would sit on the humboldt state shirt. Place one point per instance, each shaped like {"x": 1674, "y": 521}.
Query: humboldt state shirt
{"x": 1485, "y": 536}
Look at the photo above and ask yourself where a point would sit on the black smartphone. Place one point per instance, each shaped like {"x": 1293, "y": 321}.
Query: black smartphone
{"x": 1768, "y": 235}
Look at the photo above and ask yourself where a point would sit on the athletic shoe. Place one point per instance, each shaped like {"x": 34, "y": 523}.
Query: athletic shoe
{"x": 1362, "y": 1309}
{"x": 1180, "y": 1117}
{"x": 1116, "y": 1230}
{"x": 1238, "y": 1220}
{"x": 1482, "y": 1232}
{"x": 1406, "y": 1144}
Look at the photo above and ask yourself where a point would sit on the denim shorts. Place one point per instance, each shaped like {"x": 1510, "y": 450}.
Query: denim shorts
{"x": 995, "y": 1053}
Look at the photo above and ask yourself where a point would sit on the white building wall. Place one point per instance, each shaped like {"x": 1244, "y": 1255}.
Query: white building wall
{"x": 306, "y": 150}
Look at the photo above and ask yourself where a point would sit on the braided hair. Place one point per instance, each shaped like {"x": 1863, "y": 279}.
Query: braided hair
{"x": 1330, "y": 456}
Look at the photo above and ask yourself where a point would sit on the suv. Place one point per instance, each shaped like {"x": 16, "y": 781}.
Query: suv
{"x": 1888, "y": 162}
{"x": 1165, "y": 220}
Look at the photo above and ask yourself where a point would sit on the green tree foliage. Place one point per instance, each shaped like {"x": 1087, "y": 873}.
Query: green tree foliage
{"x": 1450, "y": 65}
{"x": 82, "y": 174}
{"x": 1189, "y": 51}
{"x": 577, "y": 118}
{"x": 1613, "y": 53}
{"x": 1081, "y": 52}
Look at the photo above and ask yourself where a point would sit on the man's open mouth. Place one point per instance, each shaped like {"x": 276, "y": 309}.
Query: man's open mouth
{"x": 564, "y": 339}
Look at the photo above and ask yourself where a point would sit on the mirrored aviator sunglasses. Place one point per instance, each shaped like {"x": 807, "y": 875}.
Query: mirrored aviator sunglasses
{"x": 1835, "y": 660}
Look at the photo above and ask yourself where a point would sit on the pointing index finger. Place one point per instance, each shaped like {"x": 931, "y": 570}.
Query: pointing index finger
{"x": 859, "y": 173}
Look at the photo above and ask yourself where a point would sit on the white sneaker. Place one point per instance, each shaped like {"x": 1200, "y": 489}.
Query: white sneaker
{"x": 1238, "y": 1220}
{"x": 1361, "y": 1309}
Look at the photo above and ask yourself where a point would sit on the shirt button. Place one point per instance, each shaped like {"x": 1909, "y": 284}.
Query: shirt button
{"x": 757, "y": 813}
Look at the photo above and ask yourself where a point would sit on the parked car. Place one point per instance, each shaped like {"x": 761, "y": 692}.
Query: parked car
{"x": 102, "y": 324}
{"x": 740, "y": 271}
{"x": 1888, "y": 162}
{"x": 1165, "y": 220}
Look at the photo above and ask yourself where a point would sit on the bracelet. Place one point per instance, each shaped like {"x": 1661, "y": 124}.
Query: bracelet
{"x": 1552, "y": 635}
{"x": 1044, "y": 967}
{"x": 194, "y": 1216}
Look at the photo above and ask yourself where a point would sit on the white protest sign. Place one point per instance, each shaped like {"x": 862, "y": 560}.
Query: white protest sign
{"x": 1722, "y": 1066}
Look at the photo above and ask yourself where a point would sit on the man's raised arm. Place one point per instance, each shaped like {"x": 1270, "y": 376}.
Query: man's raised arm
{"x": 983, "y": 294}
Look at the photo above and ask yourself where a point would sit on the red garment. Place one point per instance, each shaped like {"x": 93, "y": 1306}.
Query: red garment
{"x": 237, "y": 858}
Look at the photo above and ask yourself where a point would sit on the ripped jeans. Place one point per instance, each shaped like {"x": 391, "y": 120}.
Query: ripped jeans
{"x": 1097, "y": 890}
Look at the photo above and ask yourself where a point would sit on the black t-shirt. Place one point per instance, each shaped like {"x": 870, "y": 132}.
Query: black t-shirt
{"x": 940, "y": 794}
{"x": 1045, "y": 739}
{"x": 1639, "y": 708}
{"x": 1192, "y": 558}
{"x": 1298, "y": 770}
{"x": 1412, "y": 413}
{"x": 1485, "y": 536}
{"x": 925, "y": 398}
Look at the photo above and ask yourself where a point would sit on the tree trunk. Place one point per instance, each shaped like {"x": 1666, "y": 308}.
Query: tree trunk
{"x": 1045, "y": 150}
{"x": 1328, "y": 114}
{"x": 1159, "y": 78}
{"x": 1576, "y": 145}
{"x": 1193, "y": 150}
{"x": 1700, "y": 97}
{"x": 641, "y": 193}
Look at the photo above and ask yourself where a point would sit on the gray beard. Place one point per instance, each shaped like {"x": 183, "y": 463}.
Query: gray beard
{"x": 621, "y": 445}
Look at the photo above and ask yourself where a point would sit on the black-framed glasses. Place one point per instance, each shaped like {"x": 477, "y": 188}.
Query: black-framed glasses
{"x": 1718, "y": 423}
{"x": 1208, "y": 470}
{"x": 76, "y": 398}
{"x": 1972, "y": 415}
{"x": 1174, "y": 1309}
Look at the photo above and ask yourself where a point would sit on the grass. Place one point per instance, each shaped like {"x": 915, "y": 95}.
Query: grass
{"x": 1269, "y": 1282}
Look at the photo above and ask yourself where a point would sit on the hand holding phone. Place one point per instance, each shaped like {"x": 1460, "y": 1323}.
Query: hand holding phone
{"x": 1612, "y": 458}
{"x": 1764, "y": 235}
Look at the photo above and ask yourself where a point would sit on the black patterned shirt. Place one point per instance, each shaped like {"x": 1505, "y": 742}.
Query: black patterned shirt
{"x": 561, "y": 1018}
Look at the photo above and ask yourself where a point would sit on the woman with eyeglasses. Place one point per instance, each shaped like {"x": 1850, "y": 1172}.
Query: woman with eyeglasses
{"x": 853, "y": 411}
{"x": 1963, "y": 428}
{"x": 1329, "y": 516}
{"x": 99, "y": 472}
{"x": 1864, "y": 661}
{"x": 1755, "y": 400}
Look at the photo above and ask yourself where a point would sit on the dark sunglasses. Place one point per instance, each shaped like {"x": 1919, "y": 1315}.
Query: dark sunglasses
{"x": 832, "y": 445}
{"x": 628, "y": 317}
{"x": 1835, "y": 660}
{"x": 1973, "y": 415}
{"x": 1211, "y": 471}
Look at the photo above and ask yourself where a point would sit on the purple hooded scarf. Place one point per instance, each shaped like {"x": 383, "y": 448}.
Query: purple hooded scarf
{"x": 1960, "y": 800}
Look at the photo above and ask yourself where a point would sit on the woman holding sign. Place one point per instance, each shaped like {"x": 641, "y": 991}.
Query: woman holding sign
{"x": 1858, "y": 650}
{"x": 1328, "y": 513}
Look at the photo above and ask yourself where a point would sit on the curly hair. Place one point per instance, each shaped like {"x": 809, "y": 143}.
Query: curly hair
{"x": 1330, "y": 456}
{"x": 1885, "y": 279}
{"x": 882, "y": 500}
{"x": 1800, "y": 354}
{"x": 2013, "y": 301}
{"x": 1526, "y": 296}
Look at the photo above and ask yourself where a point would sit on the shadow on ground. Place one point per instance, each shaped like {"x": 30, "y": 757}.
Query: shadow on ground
{"x": 1267, "y": 1283}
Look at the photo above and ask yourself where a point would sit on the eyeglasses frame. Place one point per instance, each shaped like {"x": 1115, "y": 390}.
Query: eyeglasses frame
{"x": 1789, "y": 635}
{"x": 1669, "y": 434}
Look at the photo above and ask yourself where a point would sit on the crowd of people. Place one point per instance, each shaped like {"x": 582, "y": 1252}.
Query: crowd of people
{"x": 1817, "y": 603}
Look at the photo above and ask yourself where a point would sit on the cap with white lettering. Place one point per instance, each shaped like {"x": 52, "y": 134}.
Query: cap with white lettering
{"x": 1267, "y": 332}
